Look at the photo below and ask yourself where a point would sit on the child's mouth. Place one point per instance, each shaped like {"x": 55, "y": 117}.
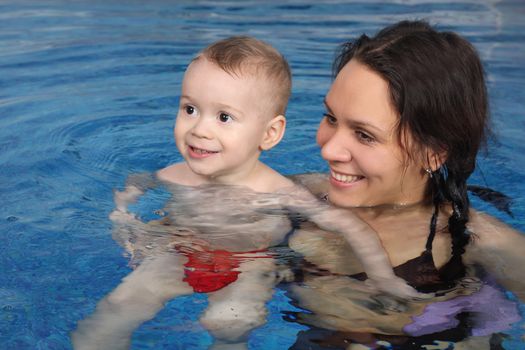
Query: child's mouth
{"x": 199, "y": 152}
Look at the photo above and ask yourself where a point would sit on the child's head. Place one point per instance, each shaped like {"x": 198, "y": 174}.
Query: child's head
{"x": 247, "y": 56}
{"x": 234, "y": 95}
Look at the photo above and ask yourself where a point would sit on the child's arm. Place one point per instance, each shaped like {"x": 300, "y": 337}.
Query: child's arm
{"x": 362, "y": 238}
{"x": 136, "y": 185}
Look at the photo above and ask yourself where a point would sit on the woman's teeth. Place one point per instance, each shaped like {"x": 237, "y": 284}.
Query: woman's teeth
{"x": 345, "y": 178}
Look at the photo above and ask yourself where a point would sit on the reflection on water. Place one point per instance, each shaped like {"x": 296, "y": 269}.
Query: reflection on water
{"x": 212, "y": 216}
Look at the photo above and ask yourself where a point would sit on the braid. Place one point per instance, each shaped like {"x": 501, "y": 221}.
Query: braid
{"x": 455, "y": 192}
{"x": 436, "y": 184}
{"x": 457, "y": 222}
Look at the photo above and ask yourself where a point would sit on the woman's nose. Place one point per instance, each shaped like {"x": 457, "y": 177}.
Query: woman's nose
{"x": 335, "y": 147}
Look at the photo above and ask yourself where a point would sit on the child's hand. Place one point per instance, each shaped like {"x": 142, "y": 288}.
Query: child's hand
{"x": 122, "y": 217}
{"x": 123, "y": 198}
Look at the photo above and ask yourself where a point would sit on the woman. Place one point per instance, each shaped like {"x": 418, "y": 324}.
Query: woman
{"x": 405, "y": 118}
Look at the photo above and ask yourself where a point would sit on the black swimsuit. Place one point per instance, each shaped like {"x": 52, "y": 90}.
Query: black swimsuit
{"x": 421, "y": 273}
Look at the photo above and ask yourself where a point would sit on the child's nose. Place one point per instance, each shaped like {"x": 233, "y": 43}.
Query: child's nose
{"x": 203, "y": 128}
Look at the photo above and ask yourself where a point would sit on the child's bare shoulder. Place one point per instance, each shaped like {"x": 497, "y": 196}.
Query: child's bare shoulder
{"x": 316, "y": 183}
{"x": 178, "y": 173}
{"x": 271, "y": 181}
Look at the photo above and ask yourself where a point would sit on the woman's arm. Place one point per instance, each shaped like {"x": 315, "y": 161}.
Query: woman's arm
{"x": 500, "y": 249}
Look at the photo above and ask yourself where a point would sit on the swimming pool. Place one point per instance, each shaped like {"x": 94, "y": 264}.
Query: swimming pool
{"x": 88, "y": 92}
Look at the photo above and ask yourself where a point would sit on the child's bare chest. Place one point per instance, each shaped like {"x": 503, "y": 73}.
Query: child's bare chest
{"x": 229, "y": 216}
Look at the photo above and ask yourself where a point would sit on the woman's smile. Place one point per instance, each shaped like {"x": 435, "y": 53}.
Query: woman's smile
{"x": 340, "y": 179}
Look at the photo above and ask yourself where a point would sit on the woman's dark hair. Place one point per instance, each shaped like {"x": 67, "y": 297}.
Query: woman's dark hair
{"x": 437, "y": 85}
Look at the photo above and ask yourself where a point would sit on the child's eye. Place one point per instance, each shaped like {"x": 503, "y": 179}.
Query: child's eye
{"x": 225, "y": 118}
{"x": 190, "y": 110}
{"x": 330, "y": 119}
{"x": 363, "y": 137}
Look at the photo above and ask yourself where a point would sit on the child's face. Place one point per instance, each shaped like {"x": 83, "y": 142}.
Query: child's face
{"x": 221, "y": 122}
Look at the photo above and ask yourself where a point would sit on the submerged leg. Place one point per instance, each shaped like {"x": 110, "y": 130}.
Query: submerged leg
{"x": 137, "y": 299}
{"x": 240, "y": 307}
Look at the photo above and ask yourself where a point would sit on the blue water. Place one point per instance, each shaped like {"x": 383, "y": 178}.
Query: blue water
{"x": 88, "y": 94}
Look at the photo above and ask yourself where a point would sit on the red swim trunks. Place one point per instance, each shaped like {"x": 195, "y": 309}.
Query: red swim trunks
{"x": 210, "y": 270}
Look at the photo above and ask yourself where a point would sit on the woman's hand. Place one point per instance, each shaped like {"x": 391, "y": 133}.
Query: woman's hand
{"x": 398, "y": 287}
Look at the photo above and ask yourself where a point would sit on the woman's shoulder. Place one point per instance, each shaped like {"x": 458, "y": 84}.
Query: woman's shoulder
{"x": 498, "y": 247}
{"x": 491, "y": 237}
{"x": 488, "y": 230}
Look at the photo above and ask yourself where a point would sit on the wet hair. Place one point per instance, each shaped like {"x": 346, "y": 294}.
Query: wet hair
{"x": 437, "y": 86}
{"x": 238, "y": 55}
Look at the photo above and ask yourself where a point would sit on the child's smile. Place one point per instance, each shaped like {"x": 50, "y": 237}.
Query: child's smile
{"x": 195, "y": 152}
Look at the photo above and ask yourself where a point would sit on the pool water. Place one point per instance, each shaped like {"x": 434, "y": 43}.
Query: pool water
{"x": 88, "y": 94}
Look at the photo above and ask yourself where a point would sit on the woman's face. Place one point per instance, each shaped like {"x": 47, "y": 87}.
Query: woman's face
{"x": 359, "y": 141}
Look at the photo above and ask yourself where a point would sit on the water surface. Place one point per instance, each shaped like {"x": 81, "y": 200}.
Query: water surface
{"x": 88, "y": 94}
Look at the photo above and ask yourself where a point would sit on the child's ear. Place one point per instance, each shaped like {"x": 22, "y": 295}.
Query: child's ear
{"x": 274, "y": 132}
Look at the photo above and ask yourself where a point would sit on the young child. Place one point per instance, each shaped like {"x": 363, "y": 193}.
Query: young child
{"x": 232, "y": 105}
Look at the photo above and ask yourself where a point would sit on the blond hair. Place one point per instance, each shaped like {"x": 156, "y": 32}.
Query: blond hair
{"x": 239, "y": 55}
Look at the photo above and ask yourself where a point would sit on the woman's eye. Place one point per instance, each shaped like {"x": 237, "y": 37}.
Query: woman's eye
{"x": 225, "y": 118}
{"x": 364, "y": 137}
{"x": 330, "y": 119}
{"x": 189, "y": 110}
